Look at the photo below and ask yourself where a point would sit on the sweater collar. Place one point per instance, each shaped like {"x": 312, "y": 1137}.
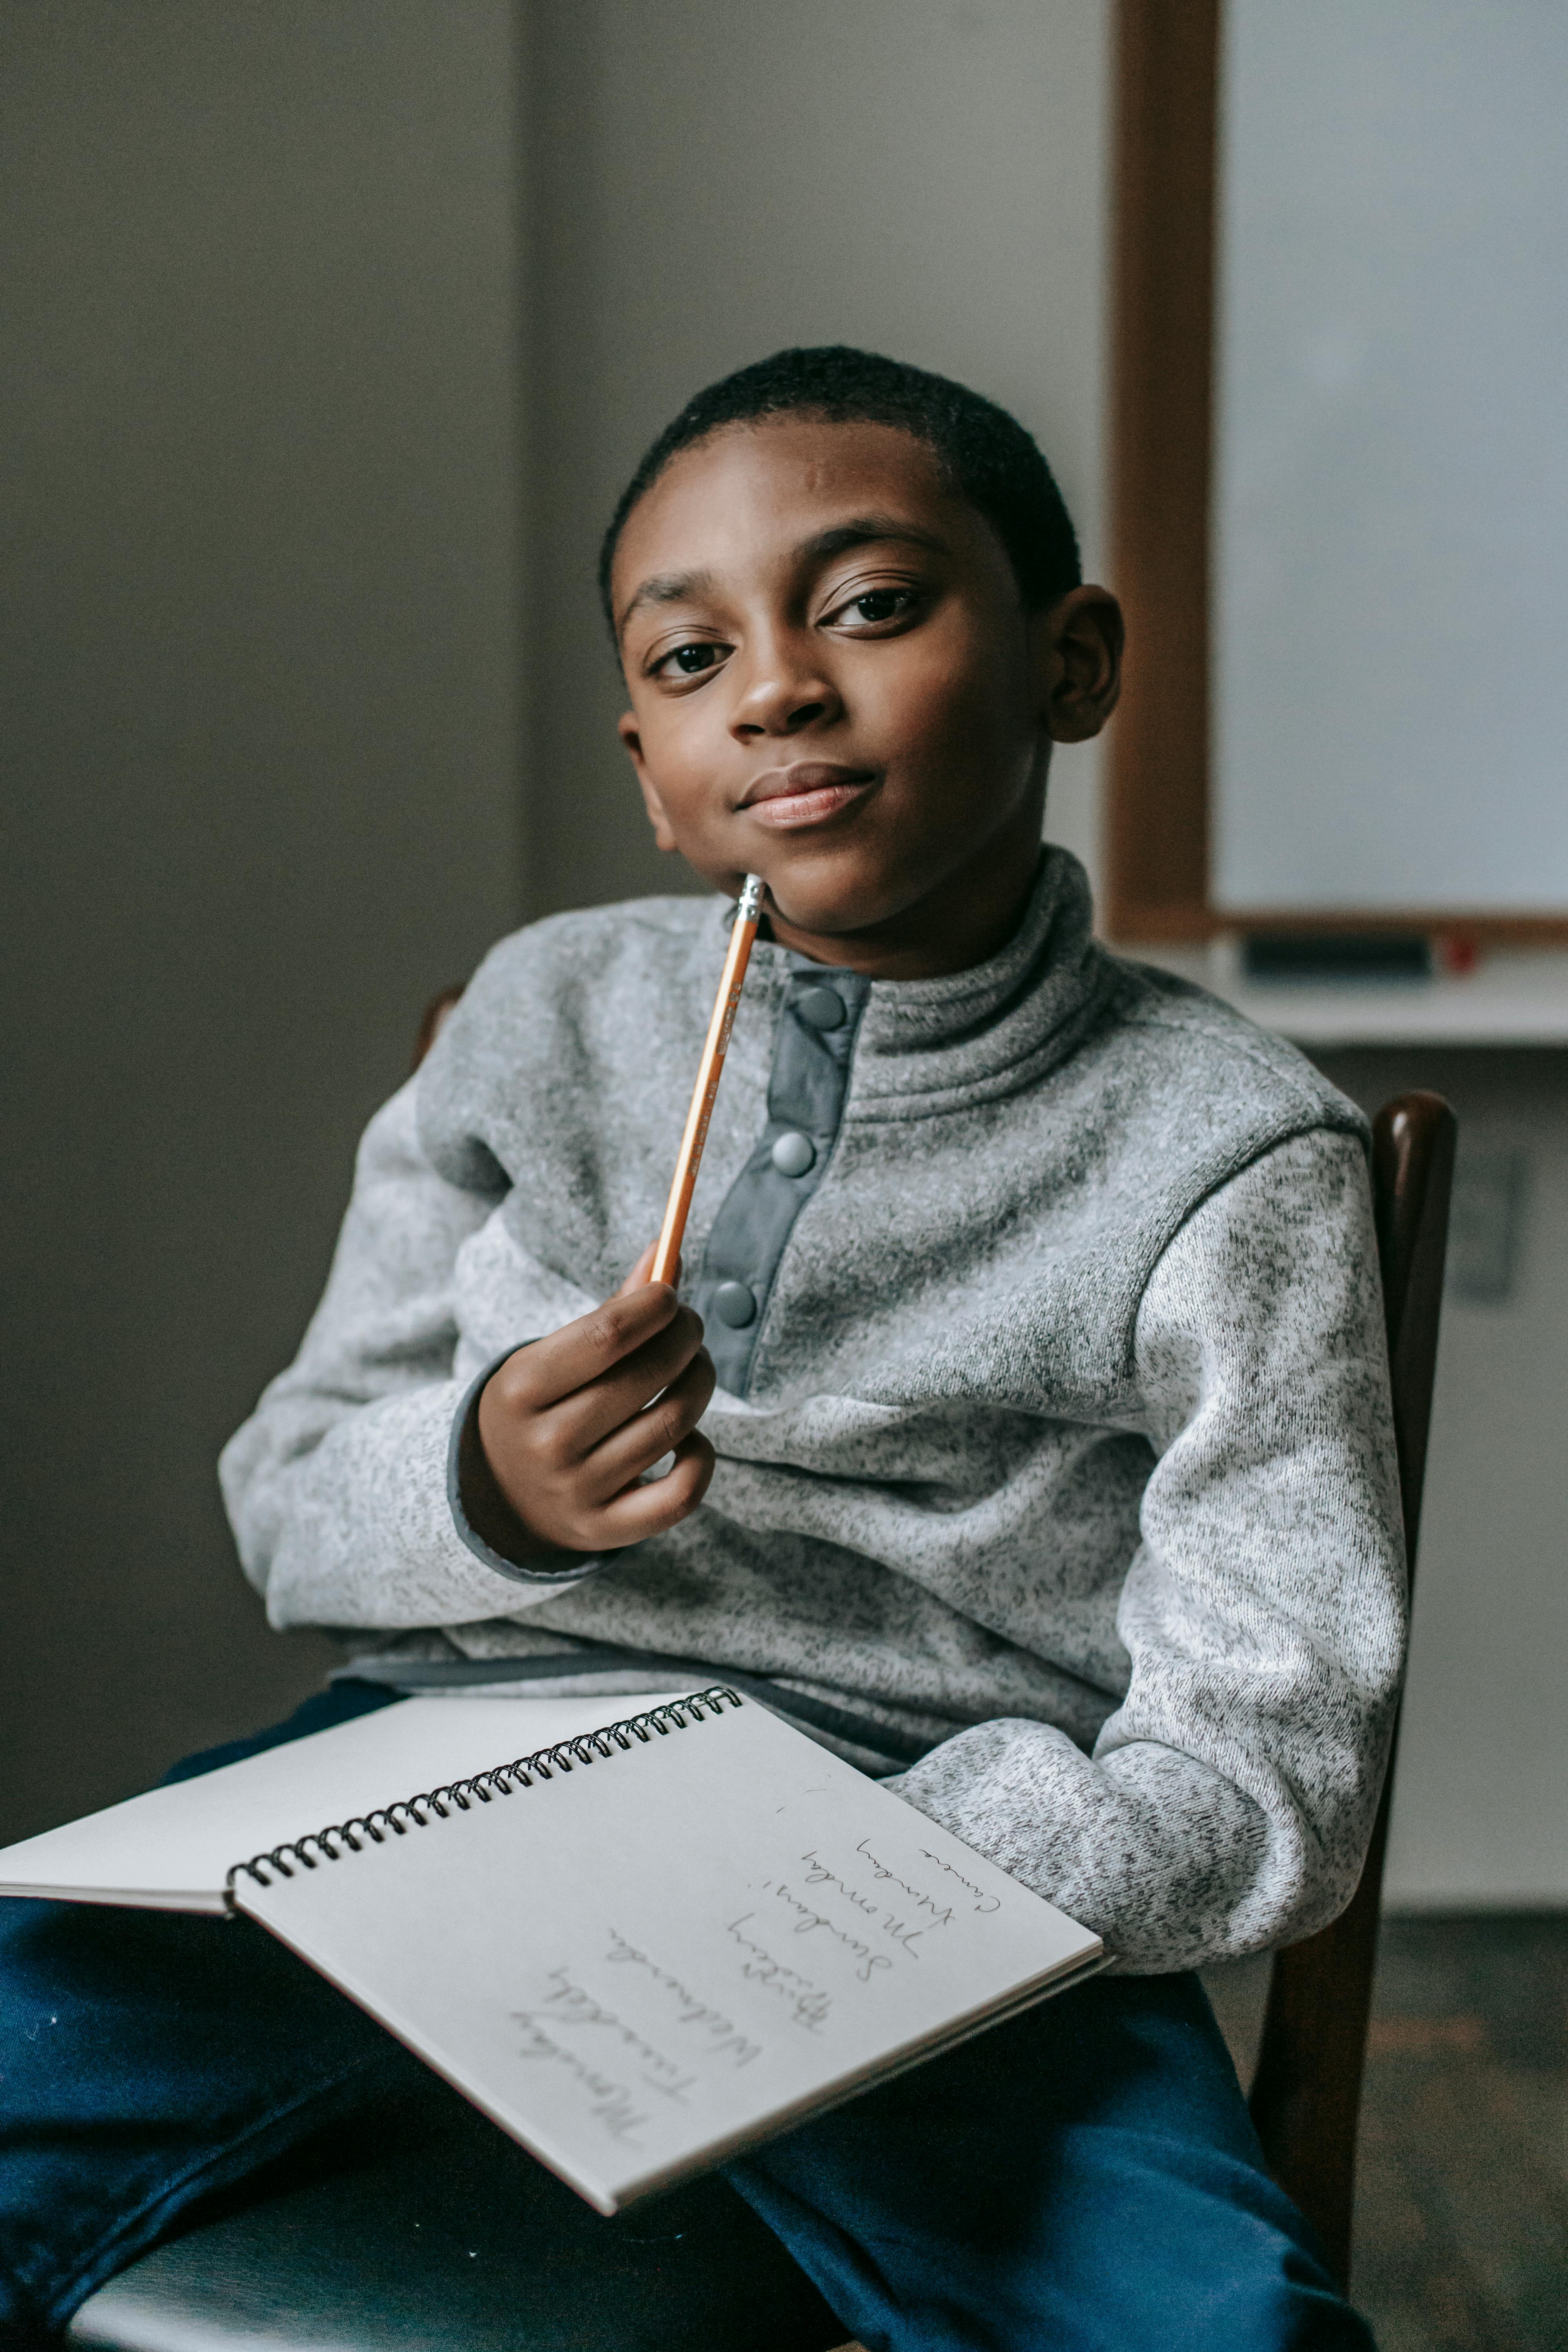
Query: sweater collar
{"x": 926, "y": 1044}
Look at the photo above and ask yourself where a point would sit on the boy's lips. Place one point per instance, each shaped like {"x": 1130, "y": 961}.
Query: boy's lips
{"x": 805, "y": 793}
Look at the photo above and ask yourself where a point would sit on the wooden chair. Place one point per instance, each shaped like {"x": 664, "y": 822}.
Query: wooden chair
{"x": 429, "y": 2241}
{"x": 1306, "y": 2091}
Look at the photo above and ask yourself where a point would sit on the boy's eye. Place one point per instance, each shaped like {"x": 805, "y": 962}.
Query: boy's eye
{"x": 877, "y": 604}
{"x": 689, "y": 661}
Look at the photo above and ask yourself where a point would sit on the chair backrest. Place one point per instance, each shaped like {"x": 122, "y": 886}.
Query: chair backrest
{"x": 1306, "y": 2092}
{"x": 432, "y": 1021}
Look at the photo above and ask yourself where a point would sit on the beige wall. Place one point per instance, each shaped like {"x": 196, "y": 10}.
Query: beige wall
{"x": 1481, "y": 1809}
{"x": 923, "y": 177}
{"x": 262, "y": 754}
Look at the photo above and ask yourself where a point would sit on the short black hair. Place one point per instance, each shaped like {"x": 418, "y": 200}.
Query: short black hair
{"x": 985, "y": 455}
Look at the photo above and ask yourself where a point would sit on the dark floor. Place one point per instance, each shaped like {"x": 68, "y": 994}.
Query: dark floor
{"x": 1462, "y": 2187}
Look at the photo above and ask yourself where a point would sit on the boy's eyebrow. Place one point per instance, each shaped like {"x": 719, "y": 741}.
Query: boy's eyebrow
{"x": 868, "y": 531}
{"x": 667, "y": 588}
{"x": 860, "y": 530}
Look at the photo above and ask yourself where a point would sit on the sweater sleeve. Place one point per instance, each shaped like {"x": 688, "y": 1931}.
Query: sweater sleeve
{"x": 1228, "y": 1802}
{"x": 338, "y": 1486}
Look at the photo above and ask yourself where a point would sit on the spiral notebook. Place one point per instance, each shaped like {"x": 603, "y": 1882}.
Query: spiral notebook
{"x": 646, "y": 1946}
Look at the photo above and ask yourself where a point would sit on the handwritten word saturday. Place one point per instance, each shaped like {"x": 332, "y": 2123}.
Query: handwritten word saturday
{"x": 806, "y": 2004}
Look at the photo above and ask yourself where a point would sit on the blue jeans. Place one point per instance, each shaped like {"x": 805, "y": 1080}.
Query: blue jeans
{"x": 1083, "y": 2179}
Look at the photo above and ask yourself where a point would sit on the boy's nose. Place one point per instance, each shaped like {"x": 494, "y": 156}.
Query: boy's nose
{"x": 782, "y": 697}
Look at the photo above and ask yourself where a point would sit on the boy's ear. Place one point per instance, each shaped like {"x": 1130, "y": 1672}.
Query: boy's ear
{"x": 1079, "y": 643}
{"x": 628, "y": 728}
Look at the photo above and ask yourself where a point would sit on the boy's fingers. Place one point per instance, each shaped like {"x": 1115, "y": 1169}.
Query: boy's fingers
{"x": 583, "y": 1351}
{"x": 663, "y": 1428}
{"x": 581, "y": 1421}
{"x": 644, "y": 1511}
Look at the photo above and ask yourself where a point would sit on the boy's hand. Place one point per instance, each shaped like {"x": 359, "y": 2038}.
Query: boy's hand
{"x": 568, "y": 1425}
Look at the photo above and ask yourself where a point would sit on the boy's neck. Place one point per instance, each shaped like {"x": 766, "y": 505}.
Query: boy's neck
{"x": 964, "y": 920}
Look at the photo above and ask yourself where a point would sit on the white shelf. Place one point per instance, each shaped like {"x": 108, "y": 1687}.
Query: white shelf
{"x": 1516, "y": 996}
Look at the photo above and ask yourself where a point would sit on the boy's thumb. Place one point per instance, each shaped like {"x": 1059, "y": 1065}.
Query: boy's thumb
{"x": 642, "y": 1271}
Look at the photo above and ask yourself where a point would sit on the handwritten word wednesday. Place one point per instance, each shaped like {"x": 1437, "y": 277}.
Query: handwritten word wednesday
{"x": 713, "y": 2030}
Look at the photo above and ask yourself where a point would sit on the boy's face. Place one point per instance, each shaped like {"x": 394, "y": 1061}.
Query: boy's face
{"x": 833, "y": 684}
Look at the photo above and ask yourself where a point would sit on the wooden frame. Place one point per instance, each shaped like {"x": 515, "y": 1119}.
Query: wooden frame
{"x": 1165, "y": 96}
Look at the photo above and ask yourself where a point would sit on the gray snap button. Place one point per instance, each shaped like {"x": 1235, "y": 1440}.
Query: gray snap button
{"x": 822, "y": 1007}
{"x": 734, "y": 1304}
{"x": 794, "y": 1154}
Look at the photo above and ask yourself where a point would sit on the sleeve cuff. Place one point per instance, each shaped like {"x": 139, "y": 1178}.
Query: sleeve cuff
{"x": 465, "y": 1466}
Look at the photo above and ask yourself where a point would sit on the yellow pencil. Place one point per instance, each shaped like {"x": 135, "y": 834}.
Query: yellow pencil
{"x": 748, "y": 910}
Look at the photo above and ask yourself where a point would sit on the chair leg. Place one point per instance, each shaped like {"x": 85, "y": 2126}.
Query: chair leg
{"x": 1306, "y": 2091}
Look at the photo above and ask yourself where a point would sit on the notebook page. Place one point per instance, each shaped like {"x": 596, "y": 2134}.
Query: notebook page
{"x": 170, "y": 1849}
{"x": 639, "y": 1968}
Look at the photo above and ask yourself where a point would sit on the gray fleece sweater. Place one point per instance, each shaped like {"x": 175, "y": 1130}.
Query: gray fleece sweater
{"x": 1054, "y": 1453}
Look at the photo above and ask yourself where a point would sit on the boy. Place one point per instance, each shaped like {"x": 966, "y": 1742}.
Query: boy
{"x": 1027, "y": 1420}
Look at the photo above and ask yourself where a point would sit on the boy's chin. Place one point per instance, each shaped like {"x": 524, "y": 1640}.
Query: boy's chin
{"x": 827, "y": 914}
{"x": 824, "y": 897}
{"x": 809, "y": 908}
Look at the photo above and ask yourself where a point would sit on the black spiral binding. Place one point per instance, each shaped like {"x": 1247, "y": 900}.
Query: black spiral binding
{"x": 331, "y": 1844}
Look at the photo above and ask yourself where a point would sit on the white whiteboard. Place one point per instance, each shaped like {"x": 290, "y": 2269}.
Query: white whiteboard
{"x": 1390, "y": 507}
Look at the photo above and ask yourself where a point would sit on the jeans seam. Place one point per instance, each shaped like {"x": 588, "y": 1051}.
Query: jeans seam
{"x": 58, "y": 2311}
